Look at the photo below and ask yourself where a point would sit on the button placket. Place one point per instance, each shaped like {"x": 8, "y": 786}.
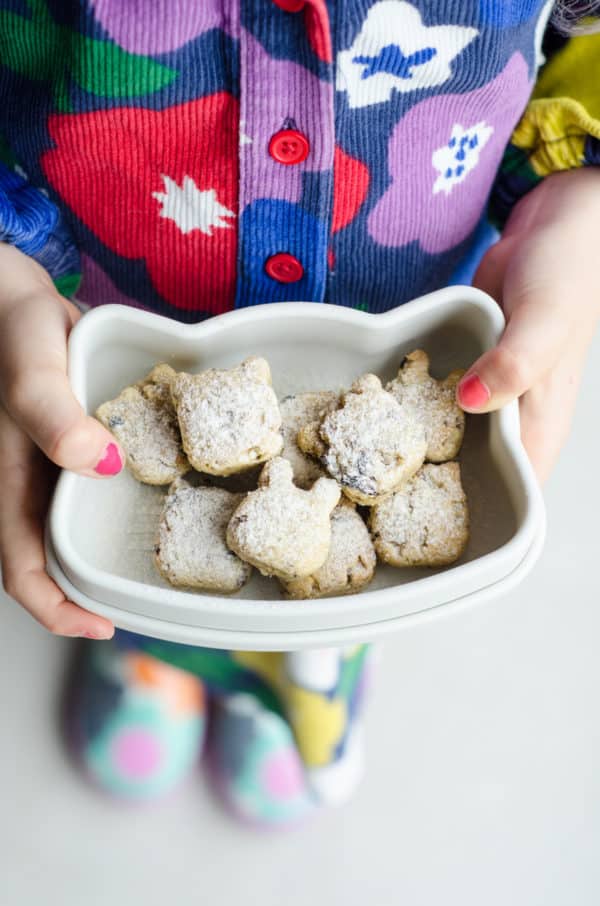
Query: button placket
{"x": 287, "y": 157}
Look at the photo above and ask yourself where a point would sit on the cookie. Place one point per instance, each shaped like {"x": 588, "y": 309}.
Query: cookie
{"x": 282, "y": 530}
{"x": 229, "y": 419}
{"x": 434, "y": 402}
{"x": 191, "y": 549}
{"x": 297, "y": 412}
{"x": 143, "y": 420}
{"x": 426, "y": 523}
{"x": 370, "y": 445}
{"x": 350, "y": 564}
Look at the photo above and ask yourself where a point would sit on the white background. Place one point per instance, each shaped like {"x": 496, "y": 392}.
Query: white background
{"x": 484, "y": 762}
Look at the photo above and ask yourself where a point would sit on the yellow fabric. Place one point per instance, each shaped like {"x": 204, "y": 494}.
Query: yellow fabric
{"x": 565, "y": 108}
{"x": 268, "y": 665}
{"x": 574, "y": 72}
{"x": 318, "y": 723}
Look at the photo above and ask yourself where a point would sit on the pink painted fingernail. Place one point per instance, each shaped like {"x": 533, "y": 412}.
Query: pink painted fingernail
{"x": 472, "y": 392}
{"x": 111, "y": 463}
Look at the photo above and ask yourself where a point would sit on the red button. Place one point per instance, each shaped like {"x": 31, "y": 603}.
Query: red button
{"x": 289, "y": 147}
{"x": 290, "y": 6}
{"x": 284, "y": 268}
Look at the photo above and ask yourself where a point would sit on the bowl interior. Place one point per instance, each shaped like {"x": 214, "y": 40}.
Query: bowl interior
{"x": 111, "y": 525}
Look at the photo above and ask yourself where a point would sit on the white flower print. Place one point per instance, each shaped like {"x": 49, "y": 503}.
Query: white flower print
{"x": 395, "y": 51}
{"x": 192, "y": 208}
{"x": 455, "y": 160}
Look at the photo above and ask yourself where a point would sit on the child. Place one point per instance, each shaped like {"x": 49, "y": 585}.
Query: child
{"x": 190, "y": 158}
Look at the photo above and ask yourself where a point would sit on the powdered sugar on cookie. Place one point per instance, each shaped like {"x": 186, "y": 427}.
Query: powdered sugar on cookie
{"x": 433, "y": 402}
{"x": 281, "y": 529}
{"x": 297, "y": 412}
{"x": 425, "y": 523}
{"x": 143, "y": 420}
{"x": 191, "y": 549}
{"x": 370, "y": 445}
{"x": 229, "y": 419}
{"x": 350, "y": 564}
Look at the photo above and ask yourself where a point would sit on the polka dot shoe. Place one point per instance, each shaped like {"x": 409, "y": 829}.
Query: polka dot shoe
{"x": 138, "y": 724}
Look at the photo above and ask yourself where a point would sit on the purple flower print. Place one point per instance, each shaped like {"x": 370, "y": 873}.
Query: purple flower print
{"x": 158, "y": 27}
{"x": 98, "y": 289}
{"x": 291, "y": 97}
{"x": 443, "y": 157}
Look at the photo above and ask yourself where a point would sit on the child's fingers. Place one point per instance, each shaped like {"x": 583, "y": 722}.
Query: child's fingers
{"x": 27, "y": 487}
{"x": 547, "y": 409}
{"x": 528, "y": 348}
{"x": 35, "y": 389}
{"x": 489, "y": 276}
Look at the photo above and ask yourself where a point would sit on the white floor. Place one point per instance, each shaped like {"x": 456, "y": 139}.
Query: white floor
{"x": 484, "y": 750}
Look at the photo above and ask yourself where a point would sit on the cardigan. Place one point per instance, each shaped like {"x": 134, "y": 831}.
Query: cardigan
{"x": 190, "y": 158}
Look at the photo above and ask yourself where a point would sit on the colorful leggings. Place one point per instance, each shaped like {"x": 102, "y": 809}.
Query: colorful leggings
{"x": 281, "y": 731}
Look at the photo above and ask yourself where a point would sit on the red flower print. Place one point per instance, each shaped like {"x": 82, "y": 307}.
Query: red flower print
{"x": 316, "y": 19}
{"x": 161, "y": 186}
{"x": 350, "y": 187}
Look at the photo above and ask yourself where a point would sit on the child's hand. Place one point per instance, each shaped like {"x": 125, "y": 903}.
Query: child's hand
{"x": 40, "y": 423}
{"x": 545, "y": 273}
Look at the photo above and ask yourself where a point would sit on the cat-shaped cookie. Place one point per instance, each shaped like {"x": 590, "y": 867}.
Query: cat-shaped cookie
{"x": 229, "y": 418}
{"x": 143, "y": 420}
{"x": 425, "y": 523}
{"x": 282, "y": 530}
{"x": 370, "y": 444}
{"x": 434, "y": 402}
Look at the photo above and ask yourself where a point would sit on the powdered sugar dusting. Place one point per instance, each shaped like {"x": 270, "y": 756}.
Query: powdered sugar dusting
{"x": 281, "y": 529}
{"x": 433, "y": 402}
{"x": 373, "y": 443}
{"x": 350, "y": 564}
{"x": 143, "y": 420}
{"x": 229, "y": 419}
{"x": 426, "y": 522}
{"x": 296, "y": 412}
{"x": 191, "y": 549}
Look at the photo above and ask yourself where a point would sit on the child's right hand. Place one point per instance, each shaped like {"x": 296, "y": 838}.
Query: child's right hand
{"x": 41, "y": 423}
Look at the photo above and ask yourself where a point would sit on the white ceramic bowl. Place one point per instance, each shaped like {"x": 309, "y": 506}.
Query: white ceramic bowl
{"x": 100, "y": 536}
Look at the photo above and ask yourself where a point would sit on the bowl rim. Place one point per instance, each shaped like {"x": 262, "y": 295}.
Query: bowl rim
{"x": 77, "y": 569}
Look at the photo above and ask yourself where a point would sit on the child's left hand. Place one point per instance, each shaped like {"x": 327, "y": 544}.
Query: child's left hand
{"x": 545, "y": 273}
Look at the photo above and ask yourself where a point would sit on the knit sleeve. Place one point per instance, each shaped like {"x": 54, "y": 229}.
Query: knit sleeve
{"x": 560, "y": 128}
{"x": 31, "y": 222}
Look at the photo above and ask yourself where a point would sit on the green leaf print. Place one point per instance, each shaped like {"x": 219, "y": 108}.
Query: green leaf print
{"x": 68, "y": 284}
{"x": 28, "y": 47}
{"x": 104, "y": 69}
{"x": 40, "y": 49}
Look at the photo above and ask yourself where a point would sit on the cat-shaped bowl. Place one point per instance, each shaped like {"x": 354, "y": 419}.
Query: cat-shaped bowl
{"x": 101, "y": 533}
